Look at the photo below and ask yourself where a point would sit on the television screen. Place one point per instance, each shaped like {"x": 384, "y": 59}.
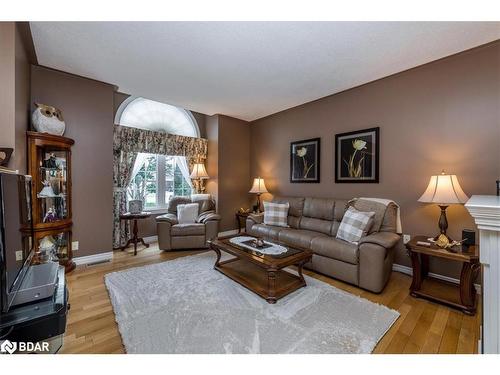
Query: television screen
{"x": 16, "y": 242}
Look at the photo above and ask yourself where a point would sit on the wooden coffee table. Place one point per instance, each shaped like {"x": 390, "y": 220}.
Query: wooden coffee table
{"x": 262, "y": 274}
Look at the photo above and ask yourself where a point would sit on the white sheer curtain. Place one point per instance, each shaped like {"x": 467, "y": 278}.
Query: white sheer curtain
{"x": 139, "y": 161}
{"x": 183, "y": 166}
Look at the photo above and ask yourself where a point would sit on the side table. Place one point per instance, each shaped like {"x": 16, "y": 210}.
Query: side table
{"x": 135, "y": 239}
{"x": 241, "y": 218}
{"x": 463, "y": 297}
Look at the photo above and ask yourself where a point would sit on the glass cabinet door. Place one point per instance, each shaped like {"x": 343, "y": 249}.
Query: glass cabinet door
{"x": 53, "y": 186}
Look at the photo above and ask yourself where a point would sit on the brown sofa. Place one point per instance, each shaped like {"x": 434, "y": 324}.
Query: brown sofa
{"x": 313, "y": 224}
{"x": 174, "y": 236}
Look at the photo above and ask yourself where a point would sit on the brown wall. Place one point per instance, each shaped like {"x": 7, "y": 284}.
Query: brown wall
{"x": 233, "y": 175}
{"x": 7, "y": 91}
{"x": 87, "y": 107}
{"x": 441, "y": 115}
{"x": 17, "y": 54}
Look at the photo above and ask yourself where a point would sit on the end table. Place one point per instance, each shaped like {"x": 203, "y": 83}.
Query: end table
{"x": 135, "y": 239}
{"x": 241, "y": 218}
{"x": 463, "y": 297}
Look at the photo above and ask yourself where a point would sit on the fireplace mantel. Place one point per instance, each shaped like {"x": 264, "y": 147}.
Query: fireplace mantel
{"x": 485, "y": 209}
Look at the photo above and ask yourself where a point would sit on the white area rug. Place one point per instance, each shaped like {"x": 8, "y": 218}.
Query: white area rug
{"x": 185, "y": 306}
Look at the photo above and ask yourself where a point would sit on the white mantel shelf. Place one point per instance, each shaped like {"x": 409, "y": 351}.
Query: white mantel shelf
{"x": 485, "y": 209}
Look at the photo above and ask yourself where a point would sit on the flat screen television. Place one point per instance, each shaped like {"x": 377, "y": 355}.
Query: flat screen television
{"x": 16, "y": 234}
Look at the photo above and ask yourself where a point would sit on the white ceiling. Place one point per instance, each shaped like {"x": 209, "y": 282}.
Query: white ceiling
{"x": 247, "y": 70}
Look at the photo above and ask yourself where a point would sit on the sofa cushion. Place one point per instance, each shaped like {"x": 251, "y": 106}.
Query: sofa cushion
{"x": 267, "y": 231}
{"x": 367, "y": 205}
{"x": 338, "y": 213}
{"x": 188, "y": 229}
{"x": 298, "y": 237}
{"x": 276, "y": 214}
{"x": 319, "y": 208}
{"x": 335, "y": 249}
{"x": 389, "y": 224}
{"x": 317, "y": 225}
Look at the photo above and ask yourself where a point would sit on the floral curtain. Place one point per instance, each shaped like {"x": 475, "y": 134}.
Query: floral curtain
{"x": 123, "y": 163}
{"x": 127, "y": 143}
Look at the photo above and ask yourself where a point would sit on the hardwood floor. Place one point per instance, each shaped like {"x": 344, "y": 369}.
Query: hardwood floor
{"x": 423, "y": 327}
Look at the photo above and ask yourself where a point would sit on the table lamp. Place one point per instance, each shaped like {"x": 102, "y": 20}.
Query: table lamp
{"x": 444, "y": 190}
{"x": 258, "y": 188}
{"x": 199, "y": 174}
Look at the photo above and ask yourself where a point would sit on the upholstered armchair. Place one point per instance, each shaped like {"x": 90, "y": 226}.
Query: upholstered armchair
{"x": 174, "y": 236}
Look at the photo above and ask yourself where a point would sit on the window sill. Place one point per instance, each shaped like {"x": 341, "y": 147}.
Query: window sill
{"x": 157, "y": 210}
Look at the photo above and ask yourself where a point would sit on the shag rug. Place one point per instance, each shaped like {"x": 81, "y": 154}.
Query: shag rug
{"x": 185, "y": 306}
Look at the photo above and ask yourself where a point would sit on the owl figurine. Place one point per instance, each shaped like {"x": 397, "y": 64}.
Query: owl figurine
{"x": 47, "y": 119}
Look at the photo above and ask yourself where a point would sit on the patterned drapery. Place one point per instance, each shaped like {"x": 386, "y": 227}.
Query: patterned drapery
{"x": 123, "y": 163}
{"x": 127, "y": 142}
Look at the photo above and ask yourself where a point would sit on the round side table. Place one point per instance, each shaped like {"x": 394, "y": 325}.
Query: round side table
{"x": 135, "y": 239}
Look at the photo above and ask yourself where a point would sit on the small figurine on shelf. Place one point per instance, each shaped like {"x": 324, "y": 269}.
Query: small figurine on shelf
{"x": 47, "y": 191}
{"x": 50, "y": 216}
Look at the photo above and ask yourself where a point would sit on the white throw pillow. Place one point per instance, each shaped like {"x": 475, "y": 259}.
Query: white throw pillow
{"x": 355, "y": 224}
{"x": 276, "y": 214}
{"x": 187, "y": 213}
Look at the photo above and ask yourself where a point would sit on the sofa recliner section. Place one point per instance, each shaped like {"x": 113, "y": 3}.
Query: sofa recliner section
{"x": 313, "y": 224}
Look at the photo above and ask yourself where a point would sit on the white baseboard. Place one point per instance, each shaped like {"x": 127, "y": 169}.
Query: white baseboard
{"x": 228, "y": 233}
{"x": 409, "y": 271}
{"x": 96, "y": 258}
{"x": 150, "y": 239}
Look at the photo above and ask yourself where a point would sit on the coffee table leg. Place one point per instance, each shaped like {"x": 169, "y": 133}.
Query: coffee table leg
{"x": 271, "y": 285}
{"x": 217, "y": 252}
{"x": 299, "y": 270}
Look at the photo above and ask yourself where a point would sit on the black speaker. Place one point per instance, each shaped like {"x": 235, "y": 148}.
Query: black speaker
{"x": 469, "y": 235}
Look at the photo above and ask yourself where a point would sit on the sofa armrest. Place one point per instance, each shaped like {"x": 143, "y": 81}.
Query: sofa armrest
{"x": 256, "y": 218}
{"x": 385, "y": 239}
{"x": 171, "y": 218}
{"x": 208, "y": 216}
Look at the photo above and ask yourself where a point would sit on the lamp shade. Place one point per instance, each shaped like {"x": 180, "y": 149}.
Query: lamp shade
{"x": 199, "y": 171}
{"x": 258, "y": 186}
{"x": 444, "y": 189}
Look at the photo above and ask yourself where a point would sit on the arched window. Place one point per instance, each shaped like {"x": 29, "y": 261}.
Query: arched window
{"x": 151, "y": 115}
{"x": 156, "y": 178}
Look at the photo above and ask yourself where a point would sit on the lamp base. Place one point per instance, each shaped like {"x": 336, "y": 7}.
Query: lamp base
{"x": 443, "y": 224}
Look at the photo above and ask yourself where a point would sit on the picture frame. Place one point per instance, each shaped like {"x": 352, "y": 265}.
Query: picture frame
{"x": 305, "y": 161}
{"x": 357, "y": 155}
{"x": 5, "y": 154}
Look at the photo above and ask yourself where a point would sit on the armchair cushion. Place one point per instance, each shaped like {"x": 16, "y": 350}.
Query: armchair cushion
{"x": 196, "y": 229}
{"x": 171, "y": 218}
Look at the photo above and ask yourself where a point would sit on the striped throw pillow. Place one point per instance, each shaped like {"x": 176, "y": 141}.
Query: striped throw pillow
{"x": 355, "y": 224}
{"x": 276, "y": 214}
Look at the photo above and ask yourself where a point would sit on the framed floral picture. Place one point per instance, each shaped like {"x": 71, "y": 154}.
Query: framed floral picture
{"x": 357, "y": 156}
{"x": 304, "y": 160}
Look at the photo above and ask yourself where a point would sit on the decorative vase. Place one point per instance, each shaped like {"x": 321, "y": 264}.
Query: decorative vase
{"x": 48, "y": 119}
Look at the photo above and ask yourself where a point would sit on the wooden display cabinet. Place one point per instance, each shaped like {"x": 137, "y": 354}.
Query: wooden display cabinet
{"x": 49, "y": 164}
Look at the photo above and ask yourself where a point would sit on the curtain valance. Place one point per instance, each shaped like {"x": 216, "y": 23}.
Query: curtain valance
{"x": 127, "y": 139}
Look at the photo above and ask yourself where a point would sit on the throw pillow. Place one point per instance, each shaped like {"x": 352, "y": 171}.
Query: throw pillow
{"x": 276, "y": 214}
{"x": 354, "y": 225}
{"x": 187, "y": 213}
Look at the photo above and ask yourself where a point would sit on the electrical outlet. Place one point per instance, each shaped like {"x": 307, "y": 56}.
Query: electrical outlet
{"x": 406, "y": 238}
{"x": 19, "y": 256}
{"x": 74, "y": 245}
